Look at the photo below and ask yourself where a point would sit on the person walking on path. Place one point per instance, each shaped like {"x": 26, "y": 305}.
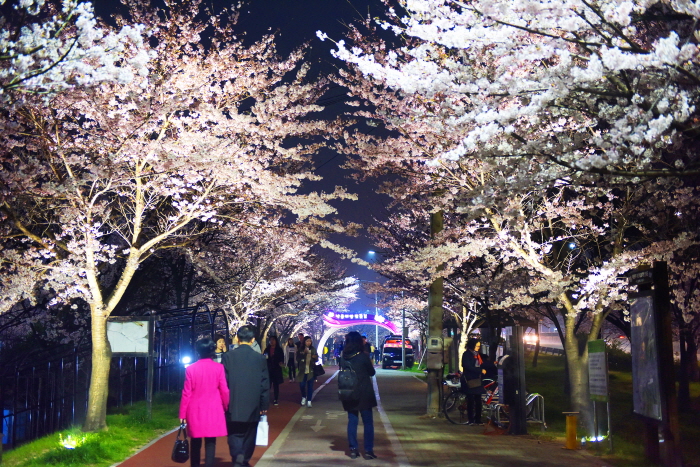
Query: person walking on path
{"x": 221, "y": 347}
{"x": 300, "y": 341}
{"x": 205, "y": 398}
{"x": 354, "y": 355}
{"x": 471, "y": 380}
{"x": 275, "y": 361}
{"x": 307, "y": 356}
{"x": 291, "y": 357}
{"x": 249, "y": 385}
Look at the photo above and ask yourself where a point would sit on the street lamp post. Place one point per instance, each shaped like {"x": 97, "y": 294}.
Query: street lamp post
{"x": 376, "y": 327}
{"x": 403, "y": 337}
{"x": 376, "y": 313}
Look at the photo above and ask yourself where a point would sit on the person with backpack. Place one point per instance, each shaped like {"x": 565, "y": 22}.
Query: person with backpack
{"x": 356, "y": 391}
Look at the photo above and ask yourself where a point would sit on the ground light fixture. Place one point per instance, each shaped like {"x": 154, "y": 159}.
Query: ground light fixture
{"x": 72, "y": 441}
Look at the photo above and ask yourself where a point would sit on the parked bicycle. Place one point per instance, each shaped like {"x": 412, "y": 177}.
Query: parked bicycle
{"x": 455, "y": 404}
{"x": 452, "y": 384}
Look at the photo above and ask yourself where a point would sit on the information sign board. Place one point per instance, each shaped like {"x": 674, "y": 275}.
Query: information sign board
{"x": 597, "y": 371}
{"x": 130, "y": 337}
{"x": 646, "y": 392}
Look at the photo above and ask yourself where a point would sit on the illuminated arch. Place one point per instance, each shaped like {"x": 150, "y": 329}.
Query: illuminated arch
{"x": 342, "y": 320}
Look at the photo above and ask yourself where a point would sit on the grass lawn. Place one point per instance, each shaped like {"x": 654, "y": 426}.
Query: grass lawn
{"x": 129, "y": 429}
{"x": 627, "y": 428}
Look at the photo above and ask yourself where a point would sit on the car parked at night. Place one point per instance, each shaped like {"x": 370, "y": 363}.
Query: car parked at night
{"x": 391, "y": 352}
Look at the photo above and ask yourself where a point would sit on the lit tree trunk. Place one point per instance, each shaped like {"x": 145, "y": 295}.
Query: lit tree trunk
{"x": 435, "y": 313}
{"x": 96, "y": 417}
{"x": 577, "y": 361}
{"x": 468, "y": 320}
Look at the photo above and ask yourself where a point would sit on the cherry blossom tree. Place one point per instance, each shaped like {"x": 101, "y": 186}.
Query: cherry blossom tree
{"x": 506, "y": 115}
{"x": 569, "y": 247}
{"x": 103, "y": 177}
{"x": 560, "y": 88}
{"x": 48, "y": 48}
{"x": 267, "y": 274}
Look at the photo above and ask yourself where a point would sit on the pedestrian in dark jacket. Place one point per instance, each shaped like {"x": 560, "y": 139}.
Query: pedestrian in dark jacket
{"x": 471, "y": 380}
{"x": 275, "y": 362}
{"x": 249, "y": 386}
{"x": 307, "y": 356}
{"x": 353, "y": 353}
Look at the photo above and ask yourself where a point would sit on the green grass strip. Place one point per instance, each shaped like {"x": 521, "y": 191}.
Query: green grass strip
{"x": 129, "y": 429}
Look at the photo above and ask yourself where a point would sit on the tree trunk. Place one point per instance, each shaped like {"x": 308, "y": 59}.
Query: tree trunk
{"x": 683, "y": 374}
{"x": 577, "y": 362}
{"x": 578, "y": 380}
{"x": 693, "y": 370}
{"x": 435, "y": 319}
{"x": 96, "y": 417}
{"x": 577, "y": 365}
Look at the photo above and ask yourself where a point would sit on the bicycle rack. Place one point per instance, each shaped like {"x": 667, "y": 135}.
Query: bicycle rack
{"x": 535, "y": 409}
{"x": 496, "y": 410}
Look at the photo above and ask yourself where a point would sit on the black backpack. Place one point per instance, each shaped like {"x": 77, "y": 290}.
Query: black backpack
{"x": 348, "y": 382}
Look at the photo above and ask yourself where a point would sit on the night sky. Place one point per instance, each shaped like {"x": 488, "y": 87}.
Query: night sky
{"x": 297, "y": 22}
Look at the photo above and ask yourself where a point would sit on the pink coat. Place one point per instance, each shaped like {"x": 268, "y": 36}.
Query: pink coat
{"x": 205, "y": 398}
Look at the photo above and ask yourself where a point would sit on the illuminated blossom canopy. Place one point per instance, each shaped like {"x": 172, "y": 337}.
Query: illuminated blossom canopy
{"x": 607, "y": 86}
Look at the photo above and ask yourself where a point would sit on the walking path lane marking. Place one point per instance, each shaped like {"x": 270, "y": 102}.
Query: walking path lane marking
{"x": 326, "y": 444}
{"x": 400, "y": 454}
{"x": 317, "y": 426}
{"x": 279, "y": 441}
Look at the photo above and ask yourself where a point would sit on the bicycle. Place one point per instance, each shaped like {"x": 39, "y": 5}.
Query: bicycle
{"x": 455, "y": 404}
{"x": 452, "y": 383}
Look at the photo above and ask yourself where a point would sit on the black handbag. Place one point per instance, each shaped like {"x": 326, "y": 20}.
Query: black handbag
{"x": 181, "y": 450}
{"x": 319, "y": 370}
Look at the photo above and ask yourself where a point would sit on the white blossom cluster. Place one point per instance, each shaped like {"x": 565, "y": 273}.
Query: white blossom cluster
{"x": 588, "y": 84}
{"x": 68, "y": 49}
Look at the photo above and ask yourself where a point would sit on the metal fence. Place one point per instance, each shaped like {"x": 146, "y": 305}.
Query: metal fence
{"x": 47, "y": 396}
{"x": 50, "y": 393}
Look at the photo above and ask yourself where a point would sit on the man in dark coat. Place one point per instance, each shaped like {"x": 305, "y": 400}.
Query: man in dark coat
{"x": 354, "y": 355}
{"x": 249, "y": 385}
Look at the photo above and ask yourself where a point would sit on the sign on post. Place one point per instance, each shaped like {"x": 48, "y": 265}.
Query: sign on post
{"x": 646, "y": 394}
{"x": 128, "y": 337}
{"x": 133, "y": 335}
{"x": 597, "y": 371}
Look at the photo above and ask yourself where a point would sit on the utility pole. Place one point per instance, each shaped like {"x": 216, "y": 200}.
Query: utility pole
{"x": 403, "y": 335}
{"x": 376, "y": 327}
{"x": 435, "y": 327}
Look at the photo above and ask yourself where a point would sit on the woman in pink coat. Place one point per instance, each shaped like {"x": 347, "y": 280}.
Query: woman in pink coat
{"x": 205, "y": 398}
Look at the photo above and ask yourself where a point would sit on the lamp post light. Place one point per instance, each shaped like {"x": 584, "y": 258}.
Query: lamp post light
{"x": 403, "y": 335}
{"x": 376, "y": 312}
{"x": 376, "y": 326}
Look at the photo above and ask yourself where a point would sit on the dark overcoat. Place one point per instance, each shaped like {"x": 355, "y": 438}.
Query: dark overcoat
{"x": 364, "y": 369}
{"x": 471, "y": 369}
{"x": 248, "y": 383}
{"x": 274, "y": 360}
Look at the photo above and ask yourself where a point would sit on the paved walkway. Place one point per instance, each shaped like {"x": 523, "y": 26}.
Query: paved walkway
{"x": 404, "y": 437}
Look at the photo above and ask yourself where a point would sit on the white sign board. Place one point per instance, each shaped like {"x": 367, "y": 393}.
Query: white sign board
{"x": 597, "y": 371}
{"x": 128, "y": 337}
